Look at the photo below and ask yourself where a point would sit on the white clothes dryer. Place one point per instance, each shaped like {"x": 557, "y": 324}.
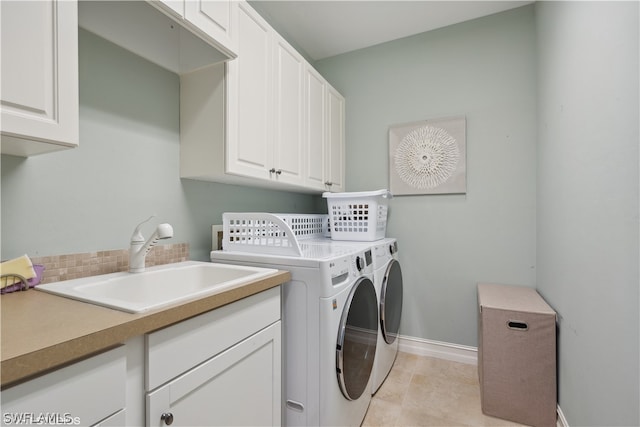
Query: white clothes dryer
{"x": 389, "y": 290}
{"x": 329, "y": 318}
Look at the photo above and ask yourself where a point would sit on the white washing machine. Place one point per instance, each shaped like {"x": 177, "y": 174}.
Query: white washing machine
{"x": 387, "y": 280}
{"x": 329, "y": 316}
{"x": 388, "y": 283}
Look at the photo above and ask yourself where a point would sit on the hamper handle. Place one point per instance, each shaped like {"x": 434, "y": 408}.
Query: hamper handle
{"x": 517, "y": 325}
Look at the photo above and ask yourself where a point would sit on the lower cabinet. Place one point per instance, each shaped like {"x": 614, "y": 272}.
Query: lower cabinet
{"x": 89, "y": 393}
{"x": 219, "y": 368}
{"x": 118, "y": 419}
{"x": 238, "y": 387}
{"x": 222, "y": 368}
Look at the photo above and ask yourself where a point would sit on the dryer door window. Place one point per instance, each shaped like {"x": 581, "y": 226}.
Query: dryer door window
{"x": 391, "y": 302}
{"x": 357, "y": 339}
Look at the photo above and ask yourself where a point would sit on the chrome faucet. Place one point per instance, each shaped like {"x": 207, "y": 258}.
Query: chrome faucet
{"x": 138, "y": 248}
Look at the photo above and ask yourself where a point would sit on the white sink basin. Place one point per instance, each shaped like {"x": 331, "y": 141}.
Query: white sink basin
{"x": 156, "y": 286}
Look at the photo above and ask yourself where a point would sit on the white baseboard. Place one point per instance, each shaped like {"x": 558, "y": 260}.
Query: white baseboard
{"x": 562, "y": 421}
{"x": 439, "y": 349}
{"x": 454, "y": 352}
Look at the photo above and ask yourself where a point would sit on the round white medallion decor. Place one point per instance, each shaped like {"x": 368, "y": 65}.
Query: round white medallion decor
{"x": 426, "y": 157}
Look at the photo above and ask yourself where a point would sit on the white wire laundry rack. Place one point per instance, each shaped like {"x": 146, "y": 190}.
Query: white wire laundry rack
{"x": 275, "y": 234}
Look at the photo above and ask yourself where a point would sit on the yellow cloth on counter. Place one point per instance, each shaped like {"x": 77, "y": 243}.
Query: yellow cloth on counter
{"x": 21, "y": 266}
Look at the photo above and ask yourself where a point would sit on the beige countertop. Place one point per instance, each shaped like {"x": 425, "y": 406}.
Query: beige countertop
{"x": 41, "y": 331}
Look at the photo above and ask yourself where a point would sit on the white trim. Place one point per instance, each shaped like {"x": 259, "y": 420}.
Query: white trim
{"x": 562, "y": 421}
{"x": 439, "y": 349}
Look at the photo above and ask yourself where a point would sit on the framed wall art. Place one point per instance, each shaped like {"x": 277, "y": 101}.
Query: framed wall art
{"x": 428, "y": 157}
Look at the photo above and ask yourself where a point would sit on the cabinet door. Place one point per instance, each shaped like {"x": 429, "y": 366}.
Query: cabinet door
{"x": 315, "y": 129}
{"x": 335, "y": 144}
{"x": 241, "y": 386}
{"x": 39, "y": 76}
{"x": 204, "y": 336}
{"x": 85, "y": 392}
{"x": 174, "y": 7}
{"x": 289, "y": 109}
{"x": 249, "y": 136}
{"x": 116, "y": 420}
{"x": 214, "y": 17}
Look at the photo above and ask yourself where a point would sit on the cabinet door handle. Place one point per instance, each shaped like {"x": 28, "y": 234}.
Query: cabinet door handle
{"x": 279, "y": 171}
{"x": 276, "y": 171}
{"x": 328, "y": 183}
{"x": 167, "y": 417}
{"x": 272, "y": 170}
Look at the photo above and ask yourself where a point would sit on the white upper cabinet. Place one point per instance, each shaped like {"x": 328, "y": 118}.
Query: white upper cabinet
{"x": 335, "y": 155}
{"x": 172, "y": 6}
{"x": 315, "y": 135}
{"x": 276, "y": 131}
{"x": 39, "y": 71}
{"x": 159, "y": 31}
{"x": 288, "y": 106}
{"x": 39, "y": 90}
{"x": 214, "y": 19}
{"x": 249, "y": 84}
{"x": 264, "y": 138}
{"x": 324, "y": 134}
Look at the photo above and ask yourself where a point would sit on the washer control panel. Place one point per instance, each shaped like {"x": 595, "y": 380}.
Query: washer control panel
{"x": 351, "y": 266}
{"x": 339, "y": 267}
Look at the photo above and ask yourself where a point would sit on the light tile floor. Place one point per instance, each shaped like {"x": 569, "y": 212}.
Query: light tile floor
{"x": 425, "y": 391}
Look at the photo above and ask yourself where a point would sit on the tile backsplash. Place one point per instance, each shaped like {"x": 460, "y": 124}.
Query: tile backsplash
{"x": 75, "y": 266}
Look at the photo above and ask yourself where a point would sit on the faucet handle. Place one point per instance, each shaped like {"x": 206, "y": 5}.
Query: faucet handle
{"x": 137, "y": 235}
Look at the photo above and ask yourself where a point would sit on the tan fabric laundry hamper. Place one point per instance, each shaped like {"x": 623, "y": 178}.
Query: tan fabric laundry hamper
{"x": 517, "y": 355}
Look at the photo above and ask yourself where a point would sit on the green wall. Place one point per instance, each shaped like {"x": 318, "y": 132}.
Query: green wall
{"x": 125, "y": 169}
{"x": 550, "y": 92}
{"x": 483, "y": 69}
{"x": 588, "y": 225}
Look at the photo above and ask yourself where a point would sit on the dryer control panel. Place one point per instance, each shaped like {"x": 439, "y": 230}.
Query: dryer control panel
{"x": 384, "y": 251}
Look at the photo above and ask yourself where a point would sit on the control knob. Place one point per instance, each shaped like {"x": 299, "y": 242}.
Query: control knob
{"x": 393, "y": 248}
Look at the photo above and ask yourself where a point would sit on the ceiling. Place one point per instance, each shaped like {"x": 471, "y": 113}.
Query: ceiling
{"x": 330, "y": 27}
